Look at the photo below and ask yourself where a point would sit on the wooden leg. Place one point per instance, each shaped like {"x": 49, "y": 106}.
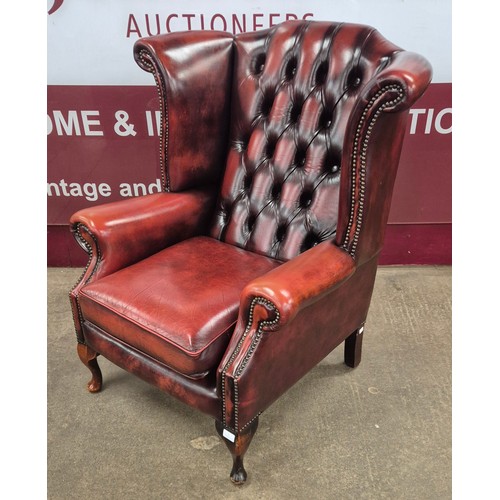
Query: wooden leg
{"x": 238, "y": 447}
{"x": 352, "y": 348}
{"x": 89, "y": 359}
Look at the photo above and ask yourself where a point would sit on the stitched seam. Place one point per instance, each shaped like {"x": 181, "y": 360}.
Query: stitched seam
{"x": 162, "y": 95}
{"x": 362, "y": 163}
{"x": 255, "y": 341}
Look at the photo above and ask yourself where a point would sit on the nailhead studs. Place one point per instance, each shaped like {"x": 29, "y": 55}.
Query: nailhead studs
{"x": 362, "y": 163}
{"x": 88, "y": 248}
{"x": 255, "y": 341}
{"x": 161, "y": 90}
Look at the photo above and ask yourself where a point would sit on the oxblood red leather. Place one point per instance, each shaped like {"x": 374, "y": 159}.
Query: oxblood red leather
{"x": 315, "y": 274}
{"x": 193, "y": 74}
{"x": 118, "y": 234}
{"x": 279, "y": 151}
{"x": 294, "y": 90}
{"x": 178, "y": 306}
{"x": 131, "y": 230}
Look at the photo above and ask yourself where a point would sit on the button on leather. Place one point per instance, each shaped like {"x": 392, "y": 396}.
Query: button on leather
{"x": 270, "y": 148}
{"x": 291, "y": 68}
{"x": 276, "y": 191}
{"x": 281, "y": 232}
{"x": 251, "y": 222}
{"x": 300, "y": 158}
{"x": 295, "y": 112}
{"x": 306, "y": 199}
{"x": 260, "y": 62}
{"x": 321, "y": 73}
{"x": 354, "y": 79}
{"x": 325, "y": 119}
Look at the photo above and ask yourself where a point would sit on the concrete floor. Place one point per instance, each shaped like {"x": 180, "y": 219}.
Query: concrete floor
{"x": 381, "y": 431}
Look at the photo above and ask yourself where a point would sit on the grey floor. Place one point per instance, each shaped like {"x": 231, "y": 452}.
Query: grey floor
{"x": 382, "y": 430}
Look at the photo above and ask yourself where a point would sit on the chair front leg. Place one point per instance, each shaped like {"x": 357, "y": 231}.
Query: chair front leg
{"x": 352, "y": 348}
{"x": 89, "y": 358}
{"x": 238, "y": 445}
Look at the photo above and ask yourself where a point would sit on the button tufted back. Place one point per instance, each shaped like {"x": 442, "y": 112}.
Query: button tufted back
{"x": 294, "y": 87}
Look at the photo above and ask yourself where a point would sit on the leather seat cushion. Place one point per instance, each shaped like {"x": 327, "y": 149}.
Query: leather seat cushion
{"x": 178, "y": 306}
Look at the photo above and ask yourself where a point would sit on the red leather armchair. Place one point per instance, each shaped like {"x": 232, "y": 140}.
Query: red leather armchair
{"x": 279, "y": 151}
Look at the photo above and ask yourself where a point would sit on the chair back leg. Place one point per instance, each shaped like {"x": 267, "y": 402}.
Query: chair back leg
{"x": 352, "y": 348}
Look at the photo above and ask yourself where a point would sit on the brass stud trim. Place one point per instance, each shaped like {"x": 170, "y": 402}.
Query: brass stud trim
{"x": 248, "y": 355}
{"x": 361, "y": 142}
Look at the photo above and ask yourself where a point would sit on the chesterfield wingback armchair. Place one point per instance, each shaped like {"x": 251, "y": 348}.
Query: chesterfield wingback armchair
{"x": 278, "y": 154}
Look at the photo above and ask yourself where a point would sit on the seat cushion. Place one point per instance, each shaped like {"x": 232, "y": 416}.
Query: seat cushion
{"x": 178, "y": 306}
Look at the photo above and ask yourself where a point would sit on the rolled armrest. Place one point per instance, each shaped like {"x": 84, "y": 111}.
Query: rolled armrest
{"x": 121, "y": 233}
{"x": 407, "y": 71}
{"x": 292, "y": 316}
{"x": 300, "y": 281}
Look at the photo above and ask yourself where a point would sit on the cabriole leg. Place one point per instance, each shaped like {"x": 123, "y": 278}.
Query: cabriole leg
{"x": 352, "y": 348}
{"x": 89, "y": 359}
{"x": 238, "y": 447}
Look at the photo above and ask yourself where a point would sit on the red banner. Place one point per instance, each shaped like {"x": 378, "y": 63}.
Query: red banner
{"x": 103, "y": 146}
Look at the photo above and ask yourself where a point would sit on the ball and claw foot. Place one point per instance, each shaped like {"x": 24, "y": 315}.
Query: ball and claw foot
{"x": 89, "y": 358}
{"x": 238, "y": 447}
{"x": 238, "y": 473}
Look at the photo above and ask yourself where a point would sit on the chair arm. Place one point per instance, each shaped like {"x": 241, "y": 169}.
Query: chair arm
{"x": 121, "y": 233}
{"x": 299, "y": 282}
{"x": 278, "y": 338}
{"x": 118, "y": 234}
{"x": 408, "y": 71}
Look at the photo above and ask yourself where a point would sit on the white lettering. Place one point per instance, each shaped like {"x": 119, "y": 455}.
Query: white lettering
{"x": 104, "y": 189}
{"x": 87, "y": 123}
{"x": 69, "y": 125}
{"x": 150, "y": 125}
{"x": 139, "y": 189}
{"x": 90, "y": 190}
{"x": 414, "y": 112}
{"x": 155, "y": 187}
{"x": 430, "y": 121}
{"x": 139, "y": 25}
{"x": 439, "y": 117}
{"x": 125, "y": 190}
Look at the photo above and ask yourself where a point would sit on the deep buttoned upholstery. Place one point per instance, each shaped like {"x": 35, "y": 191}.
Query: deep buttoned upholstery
{"x": 293, "y": 92}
